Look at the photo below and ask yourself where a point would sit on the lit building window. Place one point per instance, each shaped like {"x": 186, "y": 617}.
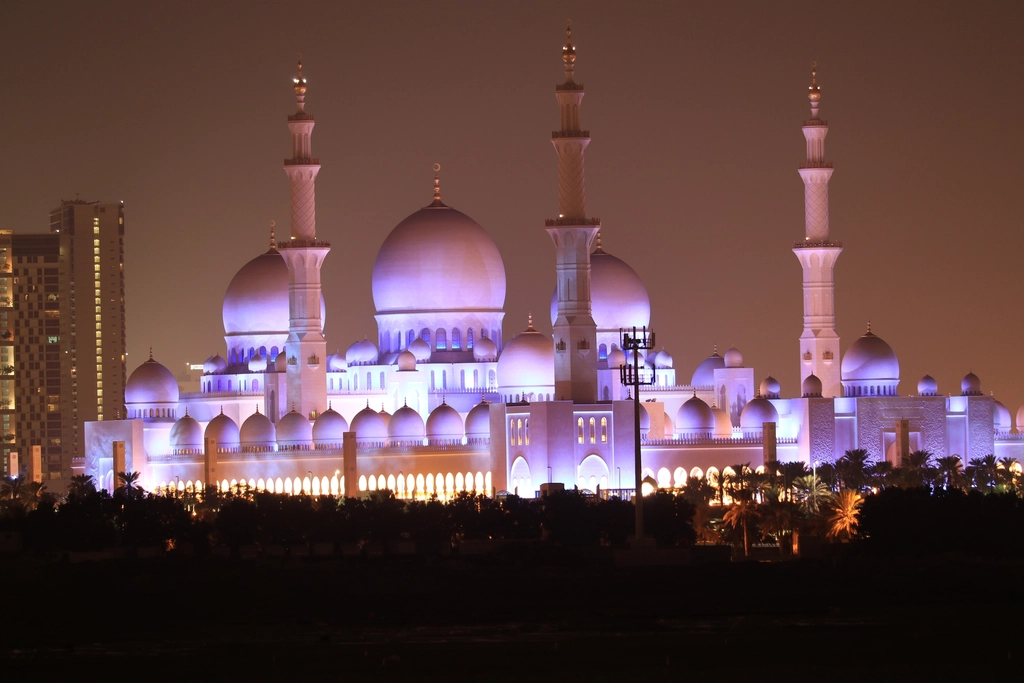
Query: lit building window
{"x": 604, "y": 430}
{"x": 579, "y": 429}
{"x": 593, "y": 431}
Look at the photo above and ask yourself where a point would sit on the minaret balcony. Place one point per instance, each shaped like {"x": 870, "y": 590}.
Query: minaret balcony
{"x": 815, "y": 122}
{"x": 816, "y": 164}
{"x": 824, "y": 244}
{"x": 570, "y": 86}
{"x": 300, "y": 116}
{"x": 559, "y": 134}
{"x": 304, "y": 244}
{"x": 569, "y": 221}
{"x": 303, "y": 161}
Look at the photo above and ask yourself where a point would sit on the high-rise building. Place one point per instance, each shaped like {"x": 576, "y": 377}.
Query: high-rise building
{"x": 62, "y": 332}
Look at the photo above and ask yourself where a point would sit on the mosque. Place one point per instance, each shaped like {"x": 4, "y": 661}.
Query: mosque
{"x": 443, "y": 402}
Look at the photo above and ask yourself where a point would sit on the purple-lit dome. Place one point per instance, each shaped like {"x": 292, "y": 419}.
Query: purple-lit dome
{"x": 361, "y": 352}
{"x": 704, "y": 375}
{"x": 928, "y": 386}
{"x": 187, "y": 434}
{"x": 406, "y": 425}
{"x": 1020, "y": 419}
{"x": 329, "y": 428}
{"x": 478, "y": 421}
{"x": 484, "y": 349}
{"x": 616, "y": 358}
{"x": 1001, "y": 417}
{"x": 756, "y": 413}
{"x": 214, "y": 364}
{"x": 663, "y": 360}
{"x": 444, "y": 422}
{"x": 281, "y": 362}
{"x": 256, "y": 302}
{"x": 336, "y": 362}
{"x": 369, "y": 424}
{"x": 224, "y": 430}
{"x": 812, "y": 386}
{"x": 733, "y": 358}
{"x": 294, "y": 429}
{"x": 695, "y": 418}
{"x": 870, "y": 359}
{"x": 151, "y": 382}
{"x": 723, "y": 423}
{"x": 970, "y": 385}
{"x": 258, "y": 363}
{"x": 406, "y": 361}
{"x": 421, "y": 349}
{"x": 438, "y": 259}
{"x": 257, "y": 432}
{"x": 618, "y": 297}
{"x": 770, "y": 387}
{"x": 527, "y": 361}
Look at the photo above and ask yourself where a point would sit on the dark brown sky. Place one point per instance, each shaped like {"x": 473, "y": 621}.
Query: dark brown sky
{"x": 695, "y": 111}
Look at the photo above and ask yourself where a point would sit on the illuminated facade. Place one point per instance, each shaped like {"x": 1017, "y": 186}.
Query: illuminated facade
{"x": 442, "y": 403}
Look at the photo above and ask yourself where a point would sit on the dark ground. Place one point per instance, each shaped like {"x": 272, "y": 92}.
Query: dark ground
{"x": 533, "y": 614}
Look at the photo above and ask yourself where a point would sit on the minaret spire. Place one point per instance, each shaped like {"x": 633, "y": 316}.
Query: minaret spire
{"x": 819, "y": 343}
{"x": 574, "y": 331}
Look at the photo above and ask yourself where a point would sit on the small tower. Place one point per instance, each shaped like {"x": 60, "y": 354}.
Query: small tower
{"x": 574, "y": 333}
{"x": 306, "y": 347}
{"x": 819, "y": 343}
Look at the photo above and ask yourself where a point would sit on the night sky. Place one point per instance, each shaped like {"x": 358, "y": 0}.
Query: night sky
{"x": 695, "y": 109}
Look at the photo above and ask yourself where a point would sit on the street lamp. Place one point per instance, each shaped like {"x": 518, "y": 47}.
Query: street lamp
{"x": 631, "y": 376}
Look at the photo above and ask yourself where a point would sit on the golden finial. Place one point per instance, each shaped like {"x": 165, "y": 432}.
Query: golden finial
{"x": 300, "y": 87}
{"x": 529, "y": 321}
{"x": 568, "y": 52}
{"x": 813, "y": 91}
{"x": 273, "y": 243}
{"x": 437, "y": 183}
{"x": 151, "y": 353}
{"x": 598, "y": 250}
{"x": 869, "y": 327}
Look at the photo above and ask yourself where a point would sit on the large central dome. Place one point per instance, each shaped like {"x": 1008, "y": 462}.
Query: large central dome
{"x": 618, "y": 297}
{"x": 438, "y": 259}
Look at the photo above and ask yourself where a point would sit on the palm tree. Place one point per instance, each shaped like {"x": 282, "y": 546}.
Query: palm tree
{"x": 32, "y": 493}
{"x": 791, "y": 471}
{"x": 81, "y": 485}
{"x": 738, "y": 482}
{"x": 949, "y": 472}
{"x": 852, "y": 469}
{"x": 1008, "y": 471}
{"x": 741, "y": 514}
{"x": 777, "y": 516}
{"x": 11, "y": 489}
{"x": 844, "y": 510}
{"x": 129, "y": 483}
{"x": 811, "y": 493}
{"x": 985, "y": 471}
{"x": 880, "y": 474}
{"x": 918, "y": 466}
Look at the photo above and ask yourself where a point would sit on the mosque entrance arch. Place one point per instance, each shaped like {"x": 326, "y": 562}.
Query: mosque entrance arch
{"x": 592, "y": 472}
{"x": 522, "y": 482}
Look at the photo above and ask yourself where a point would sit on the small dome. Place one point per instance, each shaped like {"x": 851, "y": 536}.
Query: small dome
{"x": 616, "y": 358}
{"x": 256, "y": 301}
{"x": 723, "y": 424}
{"x": 770, "y": 387}
{"x": 812, "y": 387}
{"x": 756, "y": 413}
{"x": 385, "y": 414}
{"x": 478, "y": 421}
{"x": 444, "y": 422}
{"x": 420, "y": 349}
{"x": 870, "y": 359}
{"x": 484, "y": 349}
{"x": 928, "y": 386}
{"x": 733, "y": 358}
{"x": 695, "y": 418}
{"x": 405, "y": 425}
{"x": 257, "y": 432}
{"x": 336, "y": 362}
{"x": 186, "y": 434}
{"x": 329, "y": 428}
{"x": 970, "y": 385}
{"x": 527, "y": 361}
{"x": 704, "y": 375}
{"x": 224, "y": 430}
{"x": 406, "y": 361}
{"x": 151, "y": 382}
{"x": 361, "y": 352}
{"x": 1020, "y": 419}
{"x": 663, "y": 360}
{"x": 369, "y": 424}
{"x": 294, "y": 429}
{"x": 281, "y": 362}
{"x": 258, "y": 363}
{"x": 1001, "y": 417}
{"x": 214, "y": 364}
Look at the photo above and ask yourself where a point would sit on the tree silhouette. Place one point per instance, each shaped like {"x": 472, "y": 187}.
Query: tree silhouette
{"x": 844, "y": 510}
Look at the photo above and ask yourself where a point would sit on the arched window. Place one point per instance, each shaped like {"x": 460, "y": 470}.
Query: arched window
{"x": 519, "y": 431}
{"x": 460, "y": 482}
{"x": 512, "y": 432}
{"x": 441, "y": 340}
{"x": 273, "y": 353}
{"x": 604, "y": 430}
{"x": 432, "y": 384}
{"x": 593, "y": 430}
{"x": 382, "y": 382}
{"x": 410, "y": 336}
{"x": 462, "y": 379}
{"x": 444, "y": 379}
{"x": 369, "y": 381}
{"x": 355, "y": 381}
{"x": 579, "y": 429}
{"x": 469, "y": 338}
{"x": 229, "y": 385}
{"x": 425, "y": 335}
{"x": 602, "y": 352}
{"x": 456, "y": 340}
{"x": 476, "y": 379}
{"x": 526, "y": 430}
{"x": 491, "y": 380}
{"x": 255, "y": 385}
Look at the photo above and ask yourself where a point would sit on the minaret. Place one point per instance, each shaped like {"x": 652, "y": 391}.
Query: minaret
{"x": 574, "y": 333}
{"x": 819, "y": 343}
{"x": 304, "y": 254}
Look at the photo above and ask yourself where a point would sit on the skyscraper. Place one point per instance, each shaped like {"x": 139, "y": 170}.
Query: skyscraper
{"x": 62, "y": 332}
